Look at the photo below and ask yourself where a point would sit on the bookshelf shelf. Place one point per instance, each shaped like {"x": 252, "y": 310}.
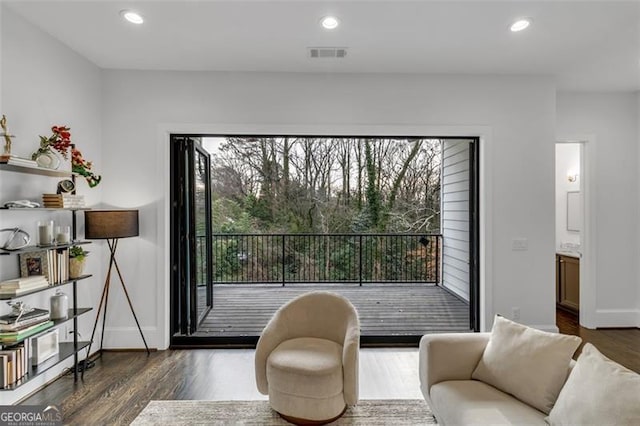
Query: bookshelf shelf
{"x": 34, "y": 170}
{"x": 31, "y": 249}
{"x": 56, "y": 323}
{"x": 65, "y": 350}
{"x": 38, "y": 290}
{"x": 71, "y": 315}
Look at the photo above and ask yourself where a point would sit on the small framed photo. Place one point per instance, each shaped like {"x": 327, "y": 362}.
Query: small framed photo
{"x": 35, "y": 263}
{"x": 45, "y": 346}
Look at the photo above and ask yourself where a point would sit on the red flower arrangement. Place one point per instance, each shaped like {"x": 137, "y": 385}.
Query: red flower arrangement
{"x": 60, "y": 141}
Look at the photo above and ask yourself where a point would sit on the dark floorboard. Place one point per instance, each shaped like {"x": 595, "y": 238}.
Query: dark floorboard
{"x": 384, "y": 309}
{"x": 620, "y": 344}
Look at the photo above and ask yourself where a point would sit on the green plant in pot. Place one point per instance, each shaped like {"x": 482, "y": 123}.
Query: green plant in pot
{"x": 77, "y": 257}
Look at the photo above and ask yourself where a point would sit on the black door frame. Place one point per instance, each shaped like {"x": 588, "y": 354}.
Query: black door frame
{"x": 474, "y": 234}
{"x": 184, "y": 298}
{"x": 179, "y": 339}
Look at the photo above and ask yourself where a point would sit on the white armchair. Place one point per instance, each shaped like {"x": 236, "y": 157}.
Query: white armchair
{"x": 307, "y": 358}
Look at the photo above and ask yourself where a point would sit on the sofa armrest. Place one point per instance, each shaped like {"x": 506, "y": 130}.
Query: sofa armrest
{"x": 451, "y": 356}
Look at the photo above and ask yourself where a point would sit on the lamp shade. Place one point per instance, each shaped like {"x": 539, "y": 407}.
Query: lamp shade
{"x": 104, "y": 224}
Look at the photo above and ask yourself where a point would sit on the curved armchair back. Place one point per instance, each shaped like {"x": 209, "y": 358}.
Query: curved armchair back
{"x": 318, "y": 314}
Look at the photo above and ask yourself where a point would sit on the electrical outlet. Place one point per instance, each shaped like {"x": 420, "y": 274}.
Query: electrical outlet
{"x": 515, "y": 313}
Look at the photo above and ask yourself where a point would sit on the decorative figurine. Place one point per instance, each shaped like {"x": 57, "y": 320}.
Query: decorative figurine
{"x": 18, "y": 309}
{"x": 7, "y": 136}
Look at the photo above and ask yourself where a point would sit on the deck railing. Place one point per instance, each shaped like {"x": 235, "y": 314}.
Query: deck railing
{"x": 323, "y": 258}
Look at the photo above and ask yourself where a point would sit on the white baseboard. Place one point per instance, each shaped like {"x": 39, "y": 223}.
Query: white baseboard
{"x": 129, "y": 338}
{"x": 617, "y": 318}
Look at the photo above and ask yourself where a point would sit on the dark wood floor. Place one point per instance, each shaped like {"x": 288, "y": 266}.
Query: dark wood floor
{"x": 384, "y": 309}
{"x": 620, "y": 344}
{"x": 122, "y": 383}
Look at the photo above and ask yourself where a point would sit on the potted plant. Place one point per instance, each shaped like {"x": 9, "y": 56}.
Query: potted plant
{"x": 77, "y": 257}
{"x": 60, "y": 142}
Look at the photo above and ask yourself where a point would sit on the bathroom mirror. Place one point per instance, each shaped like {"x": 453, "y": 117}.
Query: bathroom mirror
{"x": 574, "y": 211}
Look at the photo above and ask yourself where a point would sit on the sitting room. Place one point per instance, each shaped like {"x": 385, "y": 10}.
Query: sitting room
{"x": 311, "y": 212}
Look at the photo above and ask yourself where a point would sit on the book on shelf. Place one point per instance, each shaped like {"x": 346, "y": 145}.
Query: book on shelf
{"x": 65, "y": 201}
{"x": 35, "y": 313}
{"x": 17, "y": 161}
{"x": 58, "y": 266}
{"x": 23, "y": 282}
{"x": 23, "y": 324}
{"x": 19, "y": 286}
{"x": 14, "y": 364}
{"x": 14, "y": 336}
{"x": 51, "y": 261}
{"x": 19, "y": 291}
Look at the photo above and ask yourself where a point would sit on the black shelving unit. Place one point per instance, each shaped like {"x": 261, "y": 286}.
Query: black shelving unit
{"x": 65, "y": 349}
{"x": 38, "y": 290}
{"x": 31, "y": 249}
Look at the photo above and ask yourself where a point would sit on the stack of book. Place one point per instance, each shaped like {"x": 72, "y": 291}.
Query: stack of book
{"x": 14, "y": 361}
{"x": 58, "y": 266}
{"x": 14, "y": 364}
{"x": 15, "y": 336}
{"x": 17, "y": 161}
{"x": 18, "y": 286}
{"x": 22, "y": 324}
{"x": 63, "y": 201}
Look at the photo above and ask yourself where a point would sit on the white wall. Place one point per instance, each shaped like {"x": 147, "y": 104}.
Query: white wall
{"x": 519, "y": 111}
{"x": 612, "y": 119}
{"x": 567, "y": 160}
{"x": 45, "y": 83}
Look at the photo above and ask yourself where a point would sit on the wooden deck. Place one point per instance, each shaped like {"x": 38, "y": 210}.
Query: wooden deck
{"x": 384, "y": 309}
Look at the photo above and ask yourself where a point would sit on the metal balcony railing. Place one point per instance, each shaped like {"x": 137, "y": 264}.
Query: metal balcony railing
{"x": 323, "y": 258}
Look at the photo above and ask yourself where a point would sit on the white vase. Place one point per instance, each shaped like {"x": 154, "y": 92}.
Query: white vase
{"x": 48, "y": 160}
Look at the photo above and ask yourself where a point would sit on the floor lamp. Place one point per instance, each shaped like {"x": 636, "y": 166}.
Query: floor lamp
{"x": 111, "y": 225}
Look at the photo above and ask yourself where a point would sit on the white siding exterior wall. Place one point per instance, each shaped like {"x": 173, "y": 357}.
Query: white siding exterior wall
{"x": 455, "y": 217}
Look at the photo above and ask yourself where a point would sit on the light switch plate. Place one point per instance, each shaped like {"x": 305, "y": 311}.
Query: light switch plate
{"x": 520, "y": 244}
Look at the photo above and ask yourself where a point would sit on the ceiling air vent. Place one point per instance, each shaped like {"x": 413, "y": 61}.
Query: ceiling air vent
{"x": 327, "y": 52}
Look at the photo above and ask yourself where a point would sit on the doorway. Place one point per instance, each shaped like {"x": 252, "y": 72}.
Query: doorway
{"x": 569, "y": 216}
{"x": 575, "y": 232}
{"x": 237, "y": 259}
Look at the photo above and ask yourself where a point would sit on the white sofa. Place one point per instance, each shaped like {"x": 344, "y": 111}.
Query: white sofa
{"x": 595, "y": 390}
{"x": 447, "y": 362}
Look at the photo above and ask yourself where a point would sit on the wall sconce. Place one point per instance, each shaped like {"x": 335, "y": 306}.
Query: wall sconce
{"x": 572, "y": 177}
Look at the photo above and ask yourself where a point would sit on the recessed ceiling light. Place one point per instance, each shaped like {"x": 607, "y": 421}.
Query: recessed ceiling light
{"x": 131, "y": 16}
{"x": 521, "y": 24}
{"x": 330, "y": 22}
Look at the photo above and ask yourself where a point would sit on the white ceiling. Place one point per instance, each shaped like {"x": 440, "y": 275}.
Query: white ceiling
{"x": 586, "y": 45}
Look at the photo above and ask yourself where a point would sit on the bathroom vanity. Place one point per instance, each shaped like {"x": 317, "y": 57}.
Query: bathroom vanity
{"x": 568, "y": 281}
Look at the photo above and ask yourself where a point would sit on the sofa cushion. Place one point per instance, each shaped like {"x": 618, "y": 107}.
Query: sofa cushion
{"x": 307, "y": 367}
{"x": 598, "y": 392}
{"x": 467, "y": 402}
{"x": 530, "y": 364}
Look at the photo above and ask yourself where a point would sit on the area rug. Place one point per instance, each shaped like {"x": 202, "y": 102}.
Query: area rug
{"x": 367, "y": 412}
